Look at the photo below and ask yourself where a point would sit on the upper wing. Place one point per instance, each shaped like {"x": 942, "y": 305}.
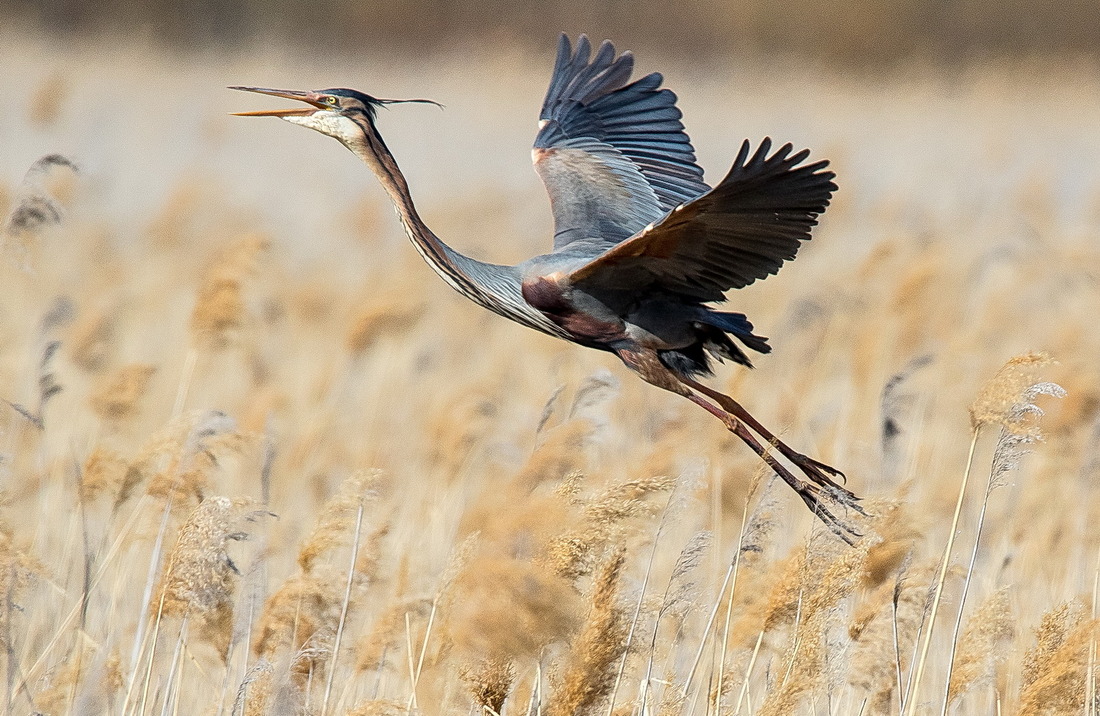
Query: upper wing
{"x": 742, "y": 230}
{"x": 612, "y": 153}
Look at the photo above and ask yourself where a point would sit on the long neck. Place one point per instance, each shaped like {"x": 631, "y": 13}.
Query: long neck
{"x": 495, "y": 287}
{"x": 453, "y": 267}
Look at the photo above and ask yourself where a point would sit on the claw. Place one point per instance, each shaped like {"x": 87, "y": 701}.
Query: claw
{"x": 828, "y": 468}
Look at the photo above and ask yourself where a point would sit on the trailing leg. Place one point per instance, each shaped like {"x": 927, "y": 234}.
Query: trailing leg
{"x": 816, "y": 471}
{"x": 814, "y": 493}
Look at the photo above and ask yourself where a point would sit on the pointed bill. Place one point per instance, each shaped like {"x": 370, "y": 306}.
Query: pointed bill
{"x": 311, "y": 98}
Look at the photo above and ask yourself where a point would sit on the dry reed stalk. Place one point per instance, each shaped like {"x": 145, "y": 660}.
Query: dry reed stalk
{"x": 175, "y": 671}
{"x": 153, "y": 636}
{"x": 996, "y": 404}
{"x": 375, "y": 650}
{"x": 993, "y": 405}
{"x": 1019, "y": 429}
{"x": 304, "y": 616}
{"x": 982, "y": 646}
{"x": 307, "y": 613}
{"x": 186, "y": 437}
{"x": 77, "y": 610}
{"x": 751, "y": 539}
{"x": 303, "y": 606}
{"x": 743, "y": 694}
{"x": 340, "y": 512}
{"x": 1091, "y": 697}
{"x": 678, "y": 591}
{"x": 635, "y": 617}
{"x": 731, "y": 576}
{"x": 913, "y": 689}
{"x": 672, "y": 702}
{"x": 589, "y": 671}
{"x": 344, "y": 604}
{"x": 804, "y": 569}
{"x": 187, "y": 373}
{"x": 806, "y": 660}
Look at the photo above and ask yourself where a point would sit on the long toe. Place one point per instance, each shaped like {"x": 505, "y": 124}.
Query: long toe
{"x": 837, "y": 526}
{"x": 821, "y": 474}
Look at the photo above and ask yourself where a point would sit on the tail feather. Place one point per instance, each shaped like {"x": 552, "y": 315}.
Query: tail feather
{"x": 736, "y": 324}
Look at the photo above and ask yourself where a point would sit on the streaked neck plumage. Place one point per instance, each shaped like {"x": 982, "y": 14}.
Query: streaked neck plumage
{"x": 495, "y": 287}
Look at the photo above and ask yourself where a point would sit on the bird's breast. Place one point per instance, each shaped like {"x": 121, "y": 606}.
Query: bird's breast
{"x": 581, "y": 316}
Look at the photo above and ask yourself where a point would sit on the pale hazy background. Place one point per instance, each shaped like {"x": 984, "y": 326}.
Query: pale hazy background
{"x": 198, "y": 261}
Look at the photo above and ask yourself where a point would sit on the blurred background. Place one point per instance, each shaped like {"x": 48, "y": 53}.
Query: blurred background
{"x": 161, "y": 259}
{"x": 833, "y": 31}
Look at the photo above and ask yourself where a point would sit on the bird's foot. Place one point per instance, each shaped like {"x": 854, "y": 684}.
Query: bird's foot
{"x": 821, "y": 476}
{"x": 817, "y": 498}
{"x": 822, "y": 496}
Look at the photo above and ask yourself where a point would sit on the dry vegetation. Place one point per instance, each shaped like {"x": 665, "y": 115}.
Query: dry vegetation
{"x": 256, "y": 459}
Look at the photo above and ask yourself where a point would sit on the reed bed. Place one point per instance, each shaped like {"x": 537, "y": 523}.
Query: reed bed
{"x": 256, "y": 459}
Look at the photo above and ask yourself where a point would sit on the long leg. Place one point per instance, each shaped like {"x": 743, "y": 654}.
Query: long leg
{"x": 814, "y": 494}
{"x": 817, "y": 471}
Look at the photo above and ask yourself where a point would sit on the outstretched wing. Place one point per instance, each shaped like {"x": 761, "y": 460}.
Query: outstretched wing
{"x": 612, "y": 154}
{"x": 740, "y": 231}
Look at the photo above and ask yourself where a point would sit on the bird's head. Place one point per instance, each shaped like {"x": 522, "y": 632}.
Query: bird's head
{"x": 338, "y": 112}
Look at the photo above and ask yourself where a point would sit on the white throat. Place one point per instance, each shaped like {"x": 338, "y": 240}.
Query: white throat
{"x": 331, "y": 123}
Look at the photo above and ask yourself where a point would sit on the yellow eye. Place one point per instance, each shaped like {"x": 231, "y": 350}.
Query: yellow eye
{"x": 332, "y": 100}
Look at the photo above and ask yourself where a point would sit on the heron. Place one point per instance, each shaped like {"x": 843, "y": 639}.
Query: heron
{"x": 643, "y": 249}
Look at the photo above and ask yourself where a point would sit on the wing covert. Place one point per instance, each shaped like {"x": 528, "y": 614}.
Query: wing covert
{"x": 612, "y": 154}
{"x": 742, "y": 230}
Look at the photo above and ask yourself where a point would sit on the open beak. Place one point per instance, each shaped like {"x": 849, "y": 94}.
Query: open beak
{"x": 310, "y": 98}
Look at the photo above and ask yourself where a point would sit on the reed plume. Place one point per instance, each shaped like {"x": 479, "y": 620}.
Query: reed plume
{"x": 589, "y": 671}
{"x": 983, "y": 645}
{"x": 199, "y": 579}
{"x": 118, "y": 398}
{"x": 1055, "y": 670}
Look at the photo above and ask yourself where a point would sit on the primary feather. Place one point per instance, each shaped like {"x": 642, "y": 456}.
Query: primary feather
{"x": 612, "y": 154}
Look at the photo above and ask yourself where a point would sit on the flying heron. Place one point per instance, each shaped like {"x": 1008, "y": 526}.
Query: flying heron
{"x": 643, "y": 248}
